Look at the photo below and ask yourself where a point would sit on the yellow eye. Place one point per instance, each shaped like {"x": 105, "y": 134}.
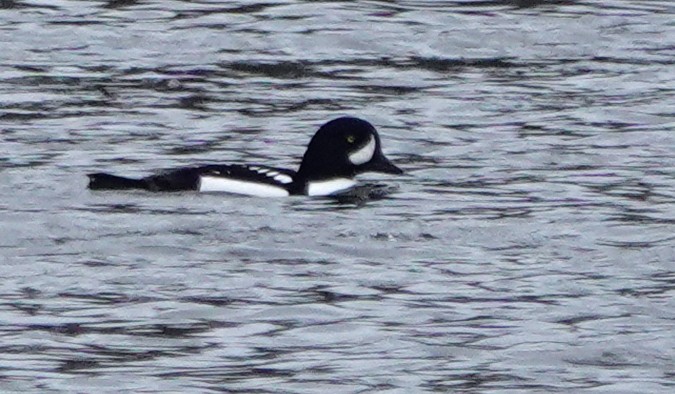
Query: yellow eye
{"x": 351, "y": 139}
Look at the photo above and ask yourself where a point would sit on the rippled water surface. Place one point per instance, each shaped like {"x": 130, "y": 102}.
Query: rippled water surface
{"x": 528, "y": 248}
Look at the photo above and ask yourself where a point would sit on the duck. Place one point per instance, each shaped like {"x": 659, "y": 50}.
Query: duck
{"x": 341, "y": 149}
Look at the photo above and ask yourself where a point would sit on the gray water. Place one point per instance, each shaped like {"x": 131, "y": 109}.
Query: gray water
{"x": 528, "y": 248}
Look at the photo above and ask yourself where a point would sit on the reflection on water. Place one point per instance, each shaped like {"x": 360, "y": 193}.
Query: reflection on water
{"x": 529, "y": 246}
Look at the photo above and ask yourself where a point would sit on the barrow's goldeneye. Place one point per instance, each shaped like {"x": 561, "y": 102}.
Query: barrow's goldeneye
{"x": 340, "y": 149}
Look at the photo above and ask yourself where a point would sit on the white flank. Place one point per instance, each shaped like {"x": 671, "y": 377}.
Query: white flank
{"x": 364, "y": 154}
{"x": 328, "y": 187}
{"x": 283, "y": 178}
{"x": 217, "y": 184}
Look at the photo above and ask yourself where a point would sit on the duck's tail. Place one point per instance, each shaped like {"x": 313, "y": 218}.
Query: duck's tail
{"x": 103, "y": 181}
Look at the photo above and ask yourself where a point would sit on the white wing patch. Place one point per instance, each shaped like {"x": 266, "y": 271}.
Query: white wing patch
{"x": 276, "y": 175}
{"x": 219, "y": 184}
{"x": 330, "y": 186}
{"x": 364, "y": 154}
{"x": 283, "y": 178}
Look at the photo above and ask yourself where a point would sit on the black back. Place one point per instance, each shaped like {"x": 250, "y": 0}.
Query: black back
{"x": 188, "y": 178}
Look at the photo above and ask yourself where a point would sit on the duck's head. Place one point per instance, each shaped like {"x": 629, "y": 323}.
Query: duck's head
{"x": 345, "y": 147}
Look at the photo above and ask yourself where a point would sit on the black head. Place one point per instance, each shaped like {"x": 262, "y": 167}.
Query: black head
{"x": 345, "y": 147}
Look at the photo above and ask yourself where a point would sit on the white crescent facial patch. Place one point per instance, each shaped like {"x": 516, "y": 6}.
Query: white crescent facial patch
{"x": 363, "y": 154}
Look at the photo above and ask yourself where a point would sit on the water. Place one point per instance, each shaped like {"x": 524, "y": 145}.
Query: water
{"x": 529, "y": 247}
